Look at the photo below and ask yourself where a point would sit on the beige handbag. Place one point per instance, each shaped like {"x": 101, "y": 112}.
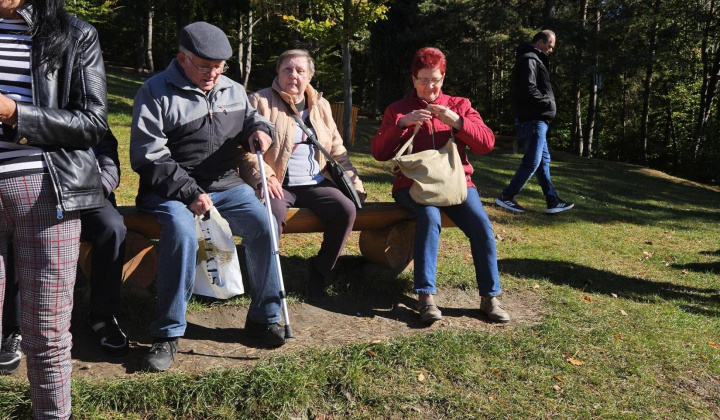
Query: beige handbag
{"x": 438, "y": 174}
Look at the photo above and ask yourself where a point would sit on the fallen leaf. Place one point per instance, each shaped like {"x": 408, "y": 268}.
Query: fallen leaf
{"x": 557, "y": 388}
{"x": 371, "y": 353}
{"x": 613, "y": 295}
{"x": 558, "y": 377}
{"x": 535, "y": 286}
{"x": 421, "y": 377}
{"x": 573, "y": 361}
{"x": 648, "y": 254}
{"x": 618, "y": 336}
{"x": 376, "y": 342}
{"x": 320, "y": 416}
{"x": 587, "y": 298}
{"x": 491, "y": 398}
{"x": 497, "y": 372}
{"x": 623, "y": 313}
{"x": 713, "y": 344}
{"x": 684, "y": 272}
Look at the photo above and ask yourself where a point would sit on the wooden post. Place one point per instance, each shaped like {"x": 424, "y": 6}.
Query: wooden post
{"x": 391, "y": 247}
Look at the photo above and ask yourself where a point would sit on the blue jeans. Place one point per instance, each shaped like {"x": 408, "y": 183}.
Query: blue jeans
{"x": 177, "y": 250}
{"x": 537, "y": 156}
{"x": 471, "y": 218}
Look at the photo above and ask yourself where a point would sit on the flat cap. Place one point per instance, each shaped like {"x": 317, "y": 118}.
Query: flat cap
{"x": 205, "y": 41}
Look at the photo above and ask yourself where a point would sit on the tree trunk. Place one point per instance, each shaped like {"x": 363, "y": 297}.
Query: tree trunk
{"x": 577, "y": 140}
{"x": 647, "y": 86}
{"x": 710, "y": 74}
{"x": 149, "y": 51}
{"x": 347, "y": 73}
{"x": 623, "y": 119}
{"x": 549, "y": 15}
{"x": 347, "y": 90}
{"x": 241, "y": 46}
{"x": 140, "y": 44}
{"x": 166, "y": 51}
{"x": 594, "y": 81}
{"x": 247, "y": 62}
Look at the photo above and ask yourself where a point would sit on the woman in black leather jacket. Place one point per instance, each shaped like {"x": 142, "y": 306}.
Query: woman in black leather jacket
{"x": 53, "y": 109}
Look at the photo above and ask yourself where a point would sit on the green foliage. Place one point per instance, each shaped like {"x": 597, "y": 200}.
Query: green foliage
{"x": 335, "y": 21}
{"x": 93, "y": 11}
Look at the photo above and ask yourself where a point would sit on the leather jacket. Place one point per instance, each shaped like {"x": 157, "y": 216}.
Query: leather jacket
{"x": 68, "y": 117}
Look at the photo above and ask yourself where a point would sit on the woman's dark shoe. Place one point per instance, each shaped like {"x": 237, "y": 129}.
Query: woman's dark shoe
{"x": 111, "y": 338}
{"x": 10, "y": 353}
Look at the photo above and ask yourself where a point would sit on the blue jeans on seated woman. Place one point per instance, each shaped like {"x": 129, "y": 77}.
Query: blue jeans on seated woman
{"x": 471, "y": 218}
{"x": 177, "y": 250}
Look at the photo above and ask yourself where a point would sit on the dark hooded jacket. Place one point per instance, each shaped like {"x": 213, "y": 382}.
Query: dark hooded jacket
{"x": 530, "y": 88}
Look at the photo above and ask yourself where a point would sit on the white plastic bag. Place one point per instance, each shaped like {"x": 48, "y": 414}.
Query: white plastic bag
{"x": 217, "y": 273}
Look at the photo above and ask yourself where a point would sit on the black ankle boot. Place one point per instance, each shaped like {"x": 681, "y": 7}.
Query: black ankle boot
{"x": 315, "y": 290}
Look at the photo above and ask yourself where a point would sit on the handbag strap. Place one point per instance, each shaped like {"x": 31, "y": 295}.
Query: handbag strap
{"x": 310, "y": 135}
{"x": 408, "y": 143}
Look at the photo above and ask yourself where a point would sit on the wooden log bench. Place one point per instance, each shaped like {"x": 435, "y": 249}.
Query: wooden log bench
{"x": 506, "y": 143}
{"x": 386, "y": 238}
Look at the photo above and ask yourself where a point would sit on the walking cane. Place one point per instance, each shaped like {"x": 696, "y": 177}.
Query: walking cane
{"x": 275, "y": 248}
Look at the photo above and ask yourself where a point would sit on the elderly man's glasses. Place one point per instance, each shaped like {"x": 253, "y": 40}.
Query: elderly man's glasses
{"x": 425, "y": 82}
{"x": 208, "y": 70}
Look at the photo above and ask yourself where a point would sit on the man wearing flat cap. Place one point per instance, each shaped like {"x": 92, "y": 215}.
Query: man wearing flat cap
{"x": 188, "y": 124}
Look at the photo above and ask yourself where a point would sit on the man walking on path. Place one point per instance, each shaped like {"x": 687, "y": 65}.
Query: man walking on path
{"x": 534, "y": 106}
{"x": 188, "y": 123}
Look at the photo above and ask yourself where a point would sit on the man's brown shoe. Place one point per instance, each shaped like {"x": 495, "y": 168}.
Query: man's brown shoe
{"x": 492, "y": 308}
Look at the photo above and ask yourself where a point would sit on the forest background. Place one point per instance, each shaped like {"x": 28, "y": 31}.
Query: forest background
{"x": 635, "y": 80}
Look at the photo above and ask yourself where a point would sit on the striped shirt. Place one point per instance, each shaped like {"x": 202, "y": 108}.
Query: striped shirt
{"x": 16, "y": 84}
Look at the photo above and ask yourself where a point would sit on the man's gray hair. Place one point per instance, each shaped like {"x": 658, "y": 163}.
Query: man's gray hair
{"x": 293, "y": 54}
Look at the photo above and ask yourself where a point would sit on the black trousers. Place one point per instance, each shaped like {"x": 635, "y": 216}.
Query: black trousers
{"x": 103, "y": 227}
{"x": 331, "y": 206}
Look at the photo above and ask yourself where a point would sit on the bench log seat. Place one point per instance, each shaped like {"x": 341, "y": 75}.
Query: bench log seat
{"x": 506, "y": 143}
{"x": 386, "y": 238}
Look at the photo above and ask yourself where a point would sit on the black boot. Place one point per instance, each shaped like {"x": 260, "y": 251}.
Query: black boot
{"x": 315, "y": 291}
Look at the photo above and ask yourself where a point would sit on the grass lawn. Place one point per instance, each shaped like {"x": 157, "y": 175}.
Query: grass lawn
{"x": 630, "y": 281}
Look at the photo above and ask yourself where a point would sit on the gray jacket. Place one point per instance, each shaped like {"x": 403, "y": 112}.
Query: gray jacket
{"x": 184, "y": 143}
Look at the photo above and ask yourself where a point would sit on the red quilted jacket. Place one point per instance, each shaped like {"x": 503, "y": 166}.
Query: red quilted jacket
{"x": 475, "y": 134}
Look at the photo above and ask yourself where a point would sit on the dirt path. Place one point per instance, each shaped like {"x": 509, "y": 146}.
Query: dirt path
{"x": 215, "y": 338}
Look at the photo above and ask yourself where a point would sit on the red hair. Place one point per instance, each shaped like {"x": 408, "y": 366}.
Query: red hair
{"x": 428, "y": 58}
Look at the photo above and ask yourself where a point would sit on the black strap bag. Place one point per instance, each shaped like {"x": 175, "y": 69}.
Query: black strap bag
{"x": 337, "y": 172}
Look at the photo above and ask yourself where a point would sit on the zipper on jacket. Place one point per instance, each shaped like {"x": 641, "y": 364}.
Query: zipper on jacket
{"x": 58, "y": 206}
{"x": 53, "y": 180}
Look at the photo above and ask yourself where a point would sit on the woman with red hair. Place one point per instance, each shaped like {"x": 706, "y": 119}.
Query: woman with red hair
{"x": 441, "y": 117}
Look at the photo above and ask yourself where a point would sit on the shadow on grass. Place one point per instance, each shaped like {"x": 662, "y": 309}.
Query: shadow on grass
{"x": 711, "y": 253}
{"x": 690, "y": 299}
{"x": 711, "y": 267}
